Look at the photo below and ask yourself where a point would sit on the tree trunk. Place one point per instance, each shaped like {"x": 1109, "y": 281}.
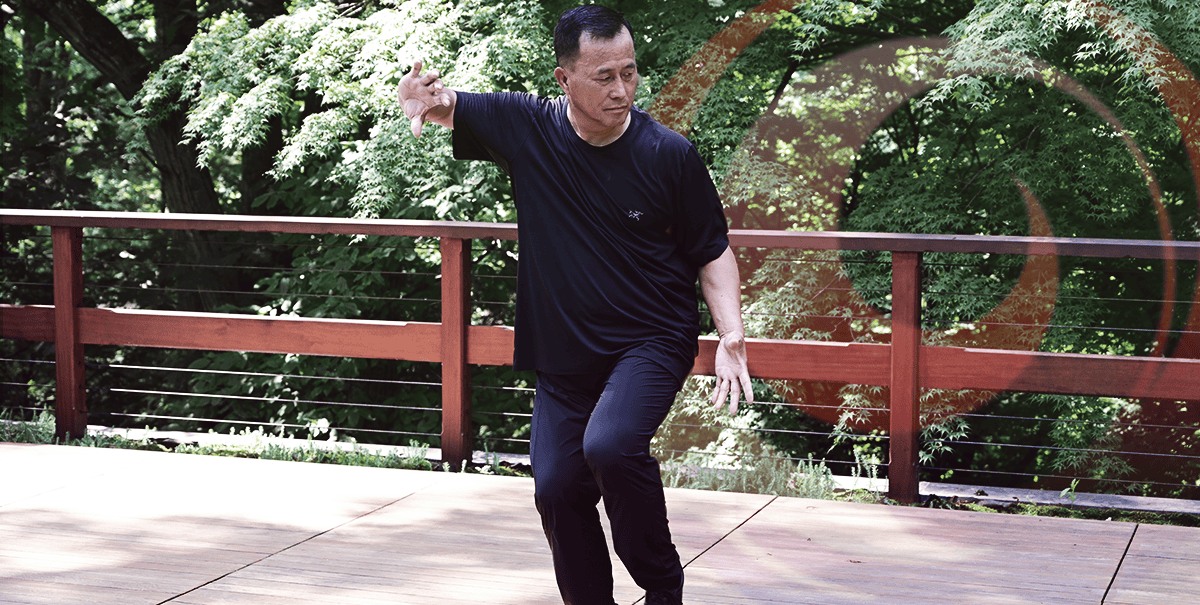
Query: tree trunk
{"x": 186, "y": 186}
{"x": 41, "y": 185}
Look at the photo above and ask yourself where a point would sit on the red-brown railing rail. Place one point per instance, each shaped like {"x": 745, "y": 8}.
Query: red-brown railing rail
{"x": 904, "y": 365}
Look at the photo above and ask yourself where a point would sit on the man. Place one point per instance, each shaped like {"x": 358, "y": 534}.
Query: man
{"x": 617, "y": 218}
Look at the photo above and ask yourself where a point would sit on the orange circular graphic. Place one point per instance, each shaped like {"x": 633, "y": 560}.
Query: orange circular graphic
{"x": 786, "y": 157}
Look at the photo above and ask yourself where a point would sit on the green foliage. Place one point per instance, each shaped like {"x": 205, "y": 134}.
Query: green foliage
{"x": 762, "y": 476}
{"x": 11, "y": 91}
{"x": 765, "y": 475}
{"x": 1105, "y": 514}
{"x": 1066, "y": 33}
{"x": 116, "y": 442}
{"x": 40, "y": 430}
{"x": 13, "y": 429}
{"x": 328, "y": 80}
{"x": 413, "y": 458}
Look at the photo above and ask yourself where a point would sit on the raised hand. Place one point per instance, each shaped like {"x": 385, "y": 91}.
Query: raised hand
{"x": 421, "y": 94}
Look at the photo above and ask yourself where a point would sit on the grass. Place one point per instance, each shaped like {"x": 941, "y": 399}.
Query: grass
{"x": 1069, "y": 512}
{"x": 766, "y": 475}
{"x": 415, "y": 457}
{"x": 39, "y": 430}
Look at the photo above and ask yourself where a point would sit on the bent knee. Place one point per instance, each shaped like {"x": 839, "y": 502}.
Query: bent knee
{"x": 605, "y": 456}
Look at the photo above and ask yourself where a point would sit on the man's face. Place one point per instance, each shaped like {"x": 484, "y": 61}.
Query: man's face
{"x": 601, "y": 84}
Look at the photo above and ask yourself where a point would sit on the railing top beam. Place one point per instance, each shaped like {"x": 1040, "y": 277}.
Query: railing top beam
{"x": 800, "y": 240}
{"x": 260, "y": 224}
{"x": 970, "y": 244}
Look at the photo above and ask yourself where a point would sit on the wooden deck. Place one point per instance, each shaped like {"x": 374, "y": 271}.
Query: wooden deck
{"x": 124, "y": 527}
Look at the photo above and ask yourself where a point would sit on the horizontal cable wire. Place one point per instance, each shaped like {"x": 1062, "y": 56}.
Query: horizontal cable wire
{"x": 1090, "y": 422}
{"x": 266, "y": 375}
{"x": 778, "y": 458}
{"x": 26, "y": 283}
{"x": 265, "y": 399}
{"x": 299, "y": 244}
{"x": 495, "y": 388}
{"x": 274, "y": 269}
{"x": 95, "y": 286}
{"x": 26, "y": 408}
{"x": 797, "y": 406}
{"x": 1066, "y": 327}
{"x": 776, "y": 431}
{"x": 26, "y": 385}
{"x": 1061, "y": 449}
{"x": 1059, "y": 297}
{"x": 506, "y": 414}
{"x": 259, "y": 423}
{"x": 502, "y": 439}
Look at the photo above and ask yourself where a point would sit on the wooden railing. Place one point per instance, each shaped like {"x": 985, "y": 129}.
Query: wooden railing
{"x": 904, "y": 365}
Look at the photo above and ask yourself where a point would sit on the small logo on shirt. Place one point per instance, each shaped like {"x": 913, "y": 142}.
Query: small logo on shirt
{"x": 635, "y": 215}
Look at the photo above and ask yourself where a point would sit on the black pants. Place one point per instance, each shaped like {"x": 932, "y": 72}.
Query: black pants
{"x": 591, "y": 440}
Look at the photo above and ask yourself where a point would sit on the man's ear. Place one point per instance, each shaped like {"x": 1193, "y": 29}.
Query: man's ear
{"x": 560, "y": 75}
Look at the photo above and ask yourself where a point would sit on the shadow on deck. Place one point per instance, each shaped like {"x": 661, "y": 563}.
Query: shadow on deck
{"x": 115, "y": 526}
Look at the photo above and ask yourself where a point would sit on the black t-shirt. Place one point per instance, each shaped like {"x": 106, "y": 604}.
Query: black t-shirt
{"x": 612, "y": 238}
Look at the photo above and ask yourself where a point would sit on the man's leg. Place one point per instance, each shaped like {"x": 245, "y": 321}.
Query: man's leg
{"x": 636, "y": 398}
{"x": 565, "y": 491}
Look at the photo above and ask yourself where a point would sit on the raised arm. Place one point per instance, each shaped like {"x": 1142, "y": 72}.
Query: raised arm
{"x": 721, "y": 286}
{"x": 426, "y": 99}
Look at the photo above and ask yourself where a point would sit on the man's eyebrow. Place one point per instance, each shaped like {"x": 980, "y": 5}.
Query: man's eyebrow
{"x": 605, "y": 70}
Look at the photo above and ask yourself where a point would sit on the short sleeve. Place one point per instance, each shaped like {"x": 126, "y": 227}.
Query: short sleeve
{"x": 701, "y": 230}
{"x": 491, "y": 126}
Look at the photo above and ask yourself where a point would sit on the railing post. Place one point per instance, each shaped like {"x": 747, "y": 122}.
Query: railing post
{"x": 70, "y": 405}
{"x": 905, "y": 429}
{"x": 456, "y": 382}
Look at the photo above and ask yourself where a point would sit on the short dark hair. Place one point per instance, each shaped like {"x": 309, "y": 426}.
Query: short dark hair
{"x": 597, "y": 21}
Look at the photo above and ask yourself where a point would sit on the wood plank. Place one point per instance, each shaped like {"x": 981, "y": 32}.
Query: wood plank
{"x": 1167, "y": 542}
{"x": 31, "y": 322}
{"x": 1066, "y": 373}
{"x": 899, "y": 555}
{"x": 856, "y": 363}
{"x": 487, "y": 345}
{"x": 70, "y": 405}
{"x": 460, "y": 560}
{"x": 174, "y": 521}
{"x": 433, "y": 591}
{"x": 490, "y": 345}
{"x": 1162, "y": 566}
{"x": 456, "y": 376}
{"x": 47, "y": 555}
{"x": 33, "y": 592}
{"x": 411, "y": 341}
{"x": 904, "y": 403}
{"x": 124, "y": 525}
{"x": 1155, "y": 581}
